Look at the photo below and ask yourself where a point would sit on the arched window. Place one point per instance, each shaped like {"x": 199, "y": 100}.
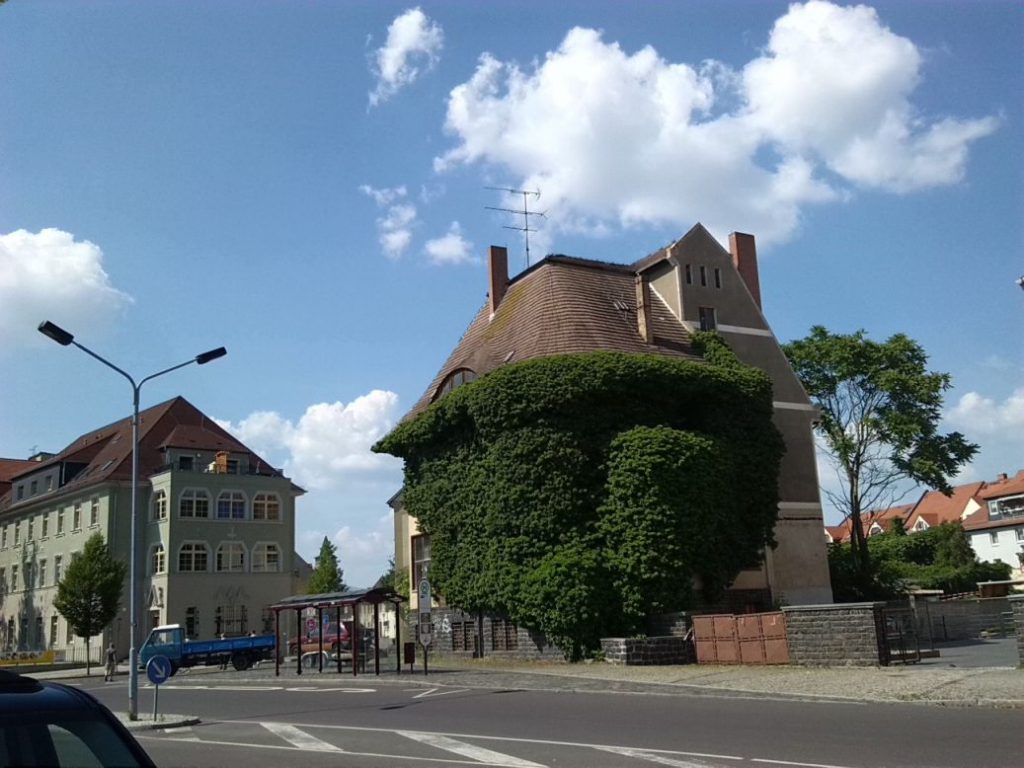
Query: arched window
{"x": 159, "y": 505}
{"x": 157, "y": 560}
{"x": 231, "y": 557}
{"x": 266, "y": 558}
{"x": 266, "y": 506}
{"x": 231, "y": 505}
{"x": 454, "y": 380}
{"x": 194, "y": 502}
{"x": 193, "y": 557}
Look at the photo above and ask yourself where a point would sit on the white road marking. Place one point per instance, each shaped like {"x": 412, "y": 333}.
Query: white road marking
{"x": 653, "y": 757}
{"x": 433, "y": 692}
{"x": 480, "y": 754}
{"x": 300, "y": 739}
{"x": 182, "y": 733}
{"x": 800, "y": 765}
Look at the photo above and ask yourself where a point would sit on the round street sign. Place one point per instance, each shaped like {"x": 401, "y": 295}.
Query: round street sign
{"x": 158, "y": 669}
{"x": 311, "y": 624}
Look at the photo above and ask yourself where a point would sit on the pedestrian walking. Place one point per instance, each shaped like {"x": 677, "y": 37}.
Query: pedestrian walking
{"x": 111, "y": 663}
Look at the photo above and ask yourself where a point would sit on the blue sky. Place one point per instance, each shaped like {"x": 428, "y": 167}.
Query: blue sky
{"x": 305, "y": 184}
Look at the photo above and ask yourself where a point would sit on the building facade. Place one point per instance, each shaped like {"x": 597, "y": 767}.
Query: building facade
{"x": 564, "y": 305}
{"x": 215, "y": 533}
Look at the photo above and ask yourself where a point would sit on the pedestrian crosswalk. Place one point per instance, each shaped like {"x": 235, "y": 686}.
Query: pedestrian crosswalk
{"x": 410, "y": 747}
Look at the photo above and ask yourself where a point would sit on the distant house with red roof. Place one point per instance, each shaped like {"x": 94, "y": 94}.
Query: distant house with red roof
{"x": 996, "y": 530}
{"x": 992, "y": 515}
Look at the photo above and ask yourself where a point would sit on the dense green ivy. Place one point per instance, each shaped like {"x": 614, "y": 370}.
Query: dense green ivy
{"x": 579, "y": 494}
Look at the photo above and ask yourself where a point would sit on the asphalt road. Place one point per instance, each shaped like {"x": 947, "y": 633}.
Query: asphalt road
{"x": 395, "y": 723}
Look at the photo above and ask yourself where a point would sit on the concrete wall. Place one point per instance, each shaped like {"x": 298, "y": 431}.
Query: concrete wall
{"x": 846, "y": 634}
{"x": 647, "y": 651}
{"x": 961, "y": 619}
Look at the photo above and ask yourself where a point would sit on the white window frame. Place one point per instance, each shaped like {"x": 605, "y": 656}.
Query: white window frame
{"x": 194, "y": 548}
{"x": 234, "y": 497}
{"x": 194, "y": 495}
{"x": 265, "y": 501}
{"x": 260, "y": 552}
{"x": 157, "y": 559}
{"x": 993, "y": 538}
{"x": 158, "y": 505}
{"x": 227, "y": 548}
{"x": 76, "y": 517}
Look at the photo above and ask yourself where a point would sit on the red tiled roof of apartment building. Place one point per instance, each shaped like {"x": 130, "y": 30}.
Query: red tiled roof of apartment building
{"x": 935, "y": 508}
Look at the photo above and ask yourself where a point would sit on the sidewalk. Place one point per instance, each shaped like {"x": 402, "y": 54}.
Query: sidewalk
{"x": 928, "y": 683}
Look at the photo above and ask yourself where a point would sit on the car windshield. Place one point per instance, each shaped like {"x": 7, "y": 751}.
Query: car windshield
{"x": 61, "y": 739}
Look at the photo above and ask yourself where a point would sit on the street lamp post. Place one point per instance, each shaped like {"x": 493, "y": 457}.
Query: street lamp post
{"x": 64, "y": 338}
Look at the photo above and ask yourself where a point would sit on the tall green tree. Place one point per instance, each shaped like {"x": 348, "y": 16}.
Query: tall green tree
{"x": 880, "y": 409}
{"x": 326, "y": 575}
{"x": 89, "y": 594}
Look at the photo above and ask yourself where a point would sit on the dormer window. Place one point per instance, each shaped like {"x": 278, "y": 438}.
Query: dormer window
{"x": 454, "y": 380}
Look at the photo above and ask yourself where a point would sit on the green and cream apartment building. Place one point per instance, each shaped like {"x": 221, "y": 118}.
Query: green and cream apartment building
{"x": 215, "y": 533}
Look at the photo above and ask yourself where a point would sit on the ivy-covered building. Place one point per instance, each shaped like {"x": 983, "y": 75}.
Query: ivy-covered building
{"x": 655, "y": 306}
{"x": 215, "y": 533}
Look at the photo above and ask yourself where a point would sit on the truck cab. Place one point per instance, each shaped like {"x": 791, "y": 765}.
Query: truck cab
{"x": 166, "y": 640}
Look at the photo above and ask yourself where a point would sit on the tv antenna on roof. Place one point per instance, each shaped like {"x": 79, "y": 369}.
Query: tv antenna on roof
{"x": 526, "y": 213}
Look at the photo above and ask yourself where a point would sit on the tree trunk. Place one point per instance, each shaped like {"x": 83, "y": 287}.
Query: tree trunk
{"x": 88, "y": 658}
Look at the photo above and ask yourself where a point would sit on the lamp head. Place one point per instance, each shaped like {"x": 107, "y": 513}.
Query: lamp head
{"x": 213, "y": 354}
{"x": 56, "y": 333}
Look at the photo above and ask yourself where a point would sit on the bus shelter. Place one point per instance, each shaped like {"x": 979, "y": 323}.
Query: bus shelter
{"x": 333, "y": 603}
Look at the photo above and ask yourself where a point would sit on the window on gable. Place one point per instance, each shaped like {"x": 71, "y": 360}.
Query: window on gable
{"x": 707, "y": 318}
{"x": 194, "y": 503}
{"x": 231, "y": 505}
{"x": 231, "y": 557}
{"x": 689, "y": 275}
{"x": 718, "y": 278}
{"x": 266, "y": 506}
{"x": 703, "y": 276}
{"x": 456, "y": 379}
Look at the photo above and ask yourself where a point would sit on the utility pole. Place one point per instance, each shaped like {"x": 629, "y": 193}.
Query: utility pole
{"x": 525, "y": 212}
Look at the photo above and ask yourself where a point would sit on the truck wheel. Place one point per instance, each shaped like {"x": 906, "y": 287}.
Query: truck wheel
{"x": 241, "y": 662}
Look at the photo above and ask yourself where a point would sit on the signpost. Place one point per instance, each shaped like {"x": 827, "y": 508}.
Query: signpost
{"x": 426, "y": 625}
{"x": 158, "y": 670}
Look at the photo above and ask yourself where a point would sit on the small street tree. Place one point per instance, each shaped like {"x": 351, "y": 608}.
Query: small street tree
{"x": 90, "y": 592}
{"x": 326, "y": 575}
{"x": 880, "y": 408}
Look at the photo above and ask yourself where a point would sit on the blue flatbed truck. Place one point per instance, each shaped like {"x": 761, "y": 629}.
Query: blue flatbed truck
{"x": 169, "y": 640}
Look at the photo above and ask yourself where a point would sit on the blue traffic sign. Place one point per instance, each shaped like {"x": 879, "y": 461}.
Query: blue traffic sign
{"x": 159, "y": 669}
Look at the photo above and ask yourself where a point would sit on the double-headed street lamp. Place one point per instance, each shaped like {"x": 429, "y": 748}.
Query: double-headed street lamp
{"x": 64, "y": 338}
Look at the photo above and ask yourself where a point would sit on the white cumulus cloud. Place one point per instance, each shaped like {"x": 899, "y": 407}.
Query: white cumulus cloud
{"x": 49, "y": 275}
{"x": 612, "y": 137}
{"x": 329, "y": 444}
{"x": 394, "y": 227}
{"x": 413, "y": 46}
{"x": 976, "y": 414}
{"x": 451, "y": 248}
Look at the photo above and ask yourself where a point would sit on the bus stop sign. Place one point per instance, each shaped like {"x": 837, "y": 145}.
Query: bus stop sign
{"x": 426, "y": 625}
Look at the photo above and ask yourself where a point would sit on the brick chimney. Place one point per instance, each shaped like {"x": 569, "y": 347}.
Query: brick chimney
{"x": 643, "y": 311}
{"x": 744, "y": 258}
{"x": 498, "y": 273}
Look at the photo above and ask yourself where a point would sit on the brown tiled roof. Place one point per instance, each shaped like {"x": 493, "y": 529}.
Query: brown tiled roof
{"x": 936, "y": 508}
{"x": 561, "y": 305}
{"x": 106, "y": 451}
{"x": 11, "y": 468}
{"x": 1011, "y": 486}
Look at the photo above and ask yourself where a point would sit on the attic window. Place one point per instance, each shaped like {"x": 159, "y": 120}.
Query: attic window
{"x": 621, "y": 305}
{"x": 454, "y": 380}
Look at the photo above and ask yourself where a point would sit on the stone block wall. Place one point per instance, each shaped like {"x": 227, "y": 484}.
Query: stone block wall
{"x": 452, "y": 637}
{"x": 674, "y": 624}
{"x": 846, "y": 634}
{"x": 645, "y": 651}
{"x": 1017, "y": 606}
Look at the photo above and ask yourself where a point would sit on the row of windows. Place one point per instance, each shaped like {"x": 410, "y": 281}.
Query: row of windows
{"x": 703, "y": 272}
{"x": 12, "y": 637}
{"x": 230, "y": 505}
{"x": 230, "y": 557}
{"x": 11, "y": 533}
{"x": 993, "y": 536}
{"x": 33, "y": 575}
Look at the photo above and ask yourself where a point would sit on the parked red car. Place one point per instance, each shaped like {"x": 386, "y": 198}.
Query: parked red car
{"x": 336, "y": 638}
